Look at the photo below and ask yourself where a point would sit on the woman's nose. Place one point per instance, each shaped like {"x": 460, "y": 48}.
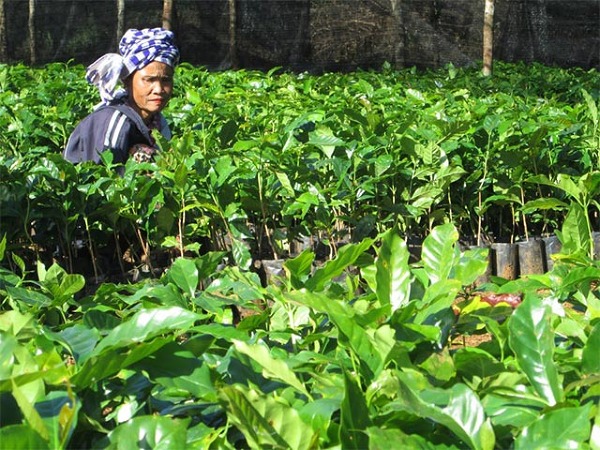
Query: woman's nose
{"x": 158, "y": 87}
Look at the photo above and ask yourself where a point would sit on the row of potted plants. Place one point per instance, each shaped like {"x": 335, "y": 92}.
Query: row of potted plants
{"x": 338, "y": 156}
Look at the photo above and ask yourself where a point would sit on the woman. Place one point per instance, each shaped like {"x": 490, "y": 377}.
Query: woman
{"x": 124, "y": 120}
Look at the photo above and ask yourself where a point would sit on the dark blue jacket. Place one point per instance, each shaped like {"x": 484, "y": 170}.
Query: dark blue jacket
{"x": 116, "y": 127}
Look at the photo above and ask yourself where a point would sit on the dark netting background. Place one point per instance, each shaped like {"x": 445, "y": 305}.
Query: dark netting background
{"x": 313, "y": 35}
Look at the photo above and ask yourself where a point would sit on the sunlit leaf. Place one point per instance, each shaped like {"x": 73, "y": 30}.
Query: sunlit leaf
{"x": 532, "y": 339}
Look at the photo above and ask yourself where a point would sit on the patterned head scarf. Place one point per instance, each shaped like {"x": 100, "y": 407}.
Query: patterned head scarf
{"x": 137, "y": 49}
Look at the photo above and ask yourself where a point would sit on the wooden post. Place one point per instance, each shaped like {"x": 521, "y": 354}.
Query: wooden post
{"x": 31, "y": 28}
{"x": 167, "y": 18}
{"x": 232, "y": 35}
{"x": 488, "y": 37}
{"x": 3, "y": 40}
{"x": 120, "y": 20}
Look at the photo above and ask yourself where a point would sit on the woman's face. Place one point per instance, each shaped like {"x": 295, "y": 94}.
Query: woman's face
{"x": 150, "y": 89}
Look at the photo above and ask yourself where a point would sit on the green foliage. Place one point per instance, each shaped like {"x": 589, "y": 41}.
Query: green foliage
{"x": 329, "y": 360}
{"x": 261, "y": 161}
{"x": 362, "y": 345}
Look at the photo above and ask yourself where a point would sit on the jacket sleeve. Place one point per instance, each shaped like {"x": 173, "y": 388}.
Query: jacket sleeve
{"x": 104, "y": 129}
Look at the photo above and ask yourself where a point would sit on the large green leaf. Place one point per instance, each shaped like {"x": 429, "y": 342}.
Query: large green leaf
{"x": 387, "y": 438}
{"x": 174, "y": 367}
{"x": 560, "y": 428}
{"x": 590, "y": 358}
{"x": 112, "y": 361}
{"x": 146, "y": 324}
{"x": 393, "y": 274}
{"x": 21, "y": 437}
{"x": 354, "y": 416}
{"x": 79, "y": 339}
{"x": 265, "y": 421}
{"x": 324, "y": 138}
{"x": 132, "y": 341}
{"x": 575, "y": 232}
{"x": 511, "y": 410}
{"x": 28, "y": 410}
{"x": 532, "y": 340}
{"x": 184, "y": 273}
{"x": 272, "y": 368}
{"x": 439, "y": 254}
{"x": 150, "y": 432}
{"x": 299, "y": 268}
{"x": 473, "y": 263}
{"x": 474, "y": 362}
{"x": 457, "y": 408}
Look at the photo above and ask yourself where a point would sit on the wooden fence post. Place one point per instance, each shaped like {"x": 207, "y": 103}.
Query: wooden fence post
{"x": 488, "y": 37}
{"x": 31, "y": 29}
{"x": 3, "y": 40}
{"x": 167, "y": 17}
{"x": 232, "y": 34}
{"x": 120, "y": 20}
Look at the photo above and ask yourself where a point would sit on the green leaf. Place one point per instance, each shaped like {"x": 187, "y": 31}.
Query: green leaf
{"x": 474, "y": 362}
{"x": 264, "y": 421}
{"x": 112, "y": 361}
{"x": 393, "y": 274}
{"x": 60, "y": 283}
{"x": 473, "y": 263}
{"x": 380, "y": 439}
{"x": 220, "y": 331}
{"x": 371, "y": 349}
{"x": 2, "y": 246}
{"x": 184, "y": 273}
{"x": 575, "y": 232}
{"x": 590, "y": 359}
{"x": 543, "y": 204}
{"x": 21, "y": 437}
{"x": 272, "y": 368}
{"x": 595, "y": 435}
{"x": 59, "y": 411}
{"x": 29, "y": 412}
{"x": 457, "y": 408}
{"x": 532, "y": 340}
{"x": 207, "y": 263}
{"x": 439, "y": 253}
{"x": 299, "y": 268}
{"x": 29, "y": 297}
{"x": 174, "y": 367}
{"x": 592, "y": 107}
{"x": 354, "y": 416}
{"x": 79, "y": 339}
{"x": 150, "y": 432}
{"x": 560, "y": 428}
{"x": 510, "y": 408}
{"x": 146, "y": 324}
{"x": 133, "y": 341}
{"x": 285, "y": 182}
{"x": 324, "y": 138}
{"x": 318, "y": 413}
{"x": 241, "y": 254}
{"x": 347, "y": 256}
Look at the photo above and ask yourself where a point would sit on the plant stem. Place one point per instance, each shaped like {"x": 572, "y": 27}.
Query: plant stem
{"x": 90, "y": 246}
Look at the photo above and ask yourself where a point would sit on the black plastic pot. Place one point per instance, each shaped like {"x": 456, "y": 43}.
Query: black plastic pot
{"x": 531, "y": 257}
{"x": 552, "y": 245}
{"x": 504, "y": 260}
{"x": 273, "y": 269}
{"x": 596, "y": 238}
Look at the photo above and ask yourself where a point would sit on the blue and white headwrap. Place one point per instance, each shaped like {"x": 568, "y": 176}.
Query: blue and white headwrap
{"x": 137, "y": 48}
